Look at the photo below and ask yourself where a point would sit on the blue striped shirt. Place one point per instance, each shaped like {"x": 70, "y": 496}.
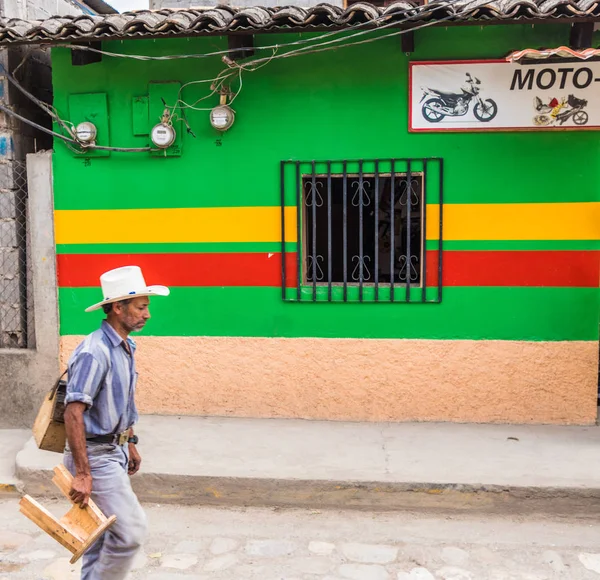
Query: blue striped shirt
{"x": 102, "y": 375}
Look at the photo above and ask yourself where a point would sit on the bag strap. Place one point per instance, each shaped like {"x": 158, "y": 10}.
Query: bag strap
{"x": 56, "y": 385}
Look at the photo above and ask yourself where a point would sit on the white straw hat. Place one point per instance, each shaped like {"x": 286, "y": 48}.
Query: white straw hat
{"x": 124, "y": 283}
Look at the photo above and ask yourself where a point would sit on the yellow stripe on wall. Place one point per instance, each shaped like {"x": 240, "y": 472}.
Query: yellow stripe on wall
{"x": 513, "y": 221}
{"x": 516, "y": 221}
{"x": 179, "y": 225}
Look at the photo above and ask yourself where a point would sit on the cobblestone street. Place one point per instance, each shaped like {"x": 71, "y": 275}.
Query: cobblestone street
{"x": 194, "y": 543}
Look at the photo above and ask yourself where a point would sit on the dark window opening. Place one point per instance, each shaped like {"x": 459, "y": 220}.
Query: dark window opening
{"x": 384, "y": 256}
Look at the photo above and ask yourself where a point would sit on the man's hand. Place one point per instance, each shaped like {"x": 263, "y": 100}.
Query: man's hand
{"x": 81, "y": 489}
{"x": 134, "y": 459}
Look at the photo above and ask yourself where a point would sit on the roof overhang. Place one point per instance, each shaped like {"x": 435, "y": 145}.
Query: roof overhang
{"x": 226, "y": 20}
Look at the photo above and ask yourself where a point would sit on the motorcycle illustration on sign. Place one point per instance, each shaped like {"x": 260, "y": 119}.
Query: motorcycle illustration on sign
{"x": 559, "y": 112}
{"x": 440, "y": 104}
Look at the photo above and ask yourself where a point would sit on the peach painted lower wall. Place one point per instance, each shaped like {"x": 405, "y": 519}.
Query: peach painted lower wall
{"x": 367, "y": 380}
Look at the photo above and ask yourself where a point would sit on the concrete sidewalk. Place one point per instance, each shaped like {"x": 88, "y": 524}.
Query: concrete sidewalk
{"x": 11, "y": 442}
{"x": 371, "y": 465}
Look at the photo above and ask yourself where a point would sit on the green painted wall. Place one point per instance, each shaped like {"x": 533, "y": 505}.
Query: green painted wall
{"x": 316, "y": 106}
{"x": 349, "y": 103}
{"x": 465, "y": 313}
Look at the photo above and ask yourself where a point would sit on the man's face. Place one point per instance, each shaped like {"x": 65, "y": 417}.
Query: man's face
{"x": 133, "y": 316}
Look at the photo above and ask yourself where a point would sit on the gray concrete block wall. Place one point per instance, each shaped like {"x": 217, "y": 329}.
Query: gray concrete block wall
{"x": 16, "y": 140}
{"x": 7, "y": 185}
{"x": 13, "y": 331}
{"x": 12, "y": 326}
{"x": 9, "y": 258}
{"x": 26, "y": 374}
{"x": 37, "y": 9}
{"x": 24, "y": 368}
{"x": 8, "y": 233}
{"x": 13, "y": 320}
{"x": 42, "y": 9}
{"x": 11, "y": 291}
{"x": 7, "y": 203}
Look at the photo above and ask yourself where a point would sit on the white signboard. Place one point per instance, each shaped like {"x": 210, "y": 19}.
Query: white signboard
{"x": 503, "y": 96}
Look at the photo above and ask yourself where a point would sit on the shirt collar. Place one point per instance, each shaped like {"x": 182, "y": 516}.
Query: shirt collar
{"x": 114, "y": 337}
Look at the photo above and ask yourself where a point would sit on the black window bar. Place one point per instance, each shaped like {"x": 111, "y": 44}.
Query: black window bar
{"x": 361, "y": 230}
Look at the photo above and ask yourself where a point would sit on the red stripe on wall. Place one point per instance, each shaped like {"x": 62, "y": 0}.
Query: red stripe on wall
{"x": 226, "y": 269}
{"x": 516, "y": 268}
{"x": 460, "y": 268}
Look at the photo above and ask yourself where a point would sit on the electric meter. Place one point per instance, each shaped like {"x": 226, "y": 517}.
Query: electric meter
{"x": 222, "y": 117}
{"x": 86, "y": 133}
{"x": 163, "y": 135}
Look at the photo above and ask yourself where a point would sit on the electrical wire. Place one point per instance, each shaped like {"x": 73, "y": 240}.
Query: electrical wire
{"x": 118, "y": 149}
{"x": 218, "y": 87}
{"x": 233, "y": 68}
{"x": 44, "y": 106}
{"x": 53, "y": 113}
{"x": 313, "y": 48}
{"x": 12, "y": 113}
{"x": 325, "y": 46}
{"x": 256, "y": 64}
{"x": 219, "y": 80}
{"x": 247, "y": 66}
{"x": 50, "y": 110}
{"x": 309, "y": 50}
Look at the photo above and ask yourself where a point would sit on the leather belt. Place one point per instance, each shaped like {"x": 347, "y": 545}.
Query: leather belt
{"x": 113, "y": 438}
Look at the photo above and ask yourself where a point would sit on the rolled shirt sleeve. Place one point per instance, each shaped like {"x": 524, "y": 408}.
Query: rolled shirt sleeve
{"x": 85, "y": 377}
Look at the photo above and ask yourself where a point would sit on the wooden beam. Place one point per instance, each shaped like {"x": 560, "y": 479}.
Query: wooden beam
{"x": 581, "y": 35}
{"x": 240, "y": 46}
{"x": 407, "y": 41}
{"x": 81, "y": 57}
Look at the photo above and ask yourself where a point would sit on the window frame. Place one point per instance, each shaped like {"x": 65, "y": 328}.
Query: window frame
{"x": 296, "y": 285}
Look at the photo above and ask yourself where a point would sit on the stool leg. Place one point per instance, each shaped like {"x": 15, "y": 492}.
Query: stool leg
{"x": 93, "y": 538}
{"x": 53, "y": 527}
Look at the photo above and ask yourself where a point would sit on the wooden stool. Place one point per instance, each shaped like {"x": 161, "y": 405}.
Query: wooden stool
{"x": 79, "y": 528}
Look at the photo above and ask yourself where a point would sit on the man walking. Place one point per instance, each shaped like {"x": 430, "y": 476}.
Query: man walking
{"x": 99, "y": 417}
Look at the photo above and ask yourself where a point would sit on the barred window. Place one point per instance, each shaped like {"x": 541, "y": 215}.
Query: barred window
{"x": 361, "y": 230}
